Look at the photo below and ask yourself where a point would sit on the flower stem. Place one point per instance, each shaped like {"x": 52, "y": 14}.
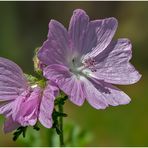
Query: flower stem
{"x": 61, "y": 135}
{"x": 50, "y": 137}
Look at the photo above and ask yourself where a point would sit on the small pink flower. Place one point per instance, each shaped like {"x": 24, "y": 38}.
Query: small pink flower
{"x": 85, "y": 62}
{"x": 21, "y": 103}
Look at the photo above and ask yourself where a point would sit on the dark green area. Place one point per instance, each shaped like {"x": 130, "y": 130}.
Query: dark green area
{"x": 24, "y": 26}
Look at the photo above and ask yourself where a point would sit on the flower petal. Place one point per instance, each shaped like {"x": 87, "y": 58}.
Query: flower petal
{"x": 77, "y": 30}
{"x": 94, "y": 97}
{"x": 100, "y": 95}
{"x": 26, "y": 108}
{"x": 10, "y": 125}
{"x": 55, "y": 49}
{"x": 12, "y": 80}
{"x": 6, "y": 107}
{"x": 103, "y": 32}
{"x": 47, "y": 105}
{"x": 112, "y": 94}
{"x": 17, "y": 104}
{"x": 67, "y": 82}
{"x": 113, "y": 64}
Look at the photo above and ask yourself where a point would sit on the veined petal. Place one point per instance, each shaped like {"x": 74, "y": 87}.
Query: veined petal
{"x": 113, "y": 64}
{"x": 17, "y": 104}
{"x": 113, "y": 95}
{"x": 6, "y": 108}
{"x": 55, "y": 50}
{"x": 12, "y": 70}
{"x": 100, "y": 33}
{"x": 11, "y": 66}
{"x": 29, "y": 114}
{"x": 12, "y": 80}
{"x": 94, "y": 97}
{"x": 47, "y": 105}
{"x": 26, "y": 109}
{"x": 100, "y": 94}
{"x": 67, "y": 82}
{"x": 77, "y": 30}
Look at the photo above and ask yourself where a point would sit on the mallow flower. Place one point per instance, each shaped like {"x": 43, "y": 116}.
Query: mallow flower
{"x": 84, "y": 61}
{"x": 22, "y": 103}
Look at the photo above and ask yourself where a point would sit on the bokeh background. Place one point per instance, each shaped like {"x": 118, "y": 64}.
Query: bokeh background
{"x": 24, "y": 26}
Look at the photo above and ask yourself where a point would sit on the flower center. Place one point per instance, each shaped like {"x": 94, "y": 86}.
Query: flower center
{"x": 83, "y": 67}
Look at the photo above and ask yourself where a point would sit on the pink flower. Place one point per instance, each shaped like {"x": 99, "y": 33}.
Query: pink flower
{"x": 85, "y": 62}
{"x": 21, "y": 103}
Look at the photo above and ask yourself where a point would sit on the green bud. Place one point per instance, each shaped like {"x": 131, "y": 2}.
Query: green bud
{"x": 36, "y": 62}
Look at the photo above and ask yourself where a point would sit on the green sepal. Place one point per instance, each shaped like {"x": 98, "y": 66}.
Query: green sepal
{"x": 36, "y": 62}
{"x": 31, "y": 79}
{"x": 18, "y": 132}
{"x": 61, "y": 99}
{"x": 36, "y": 127}
{"x": 40, "y": 81}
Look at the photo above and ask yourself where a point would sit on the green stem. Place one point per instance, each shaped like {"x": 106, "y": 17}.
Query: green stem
{"x": 50, "y": 137}
{"x": 61, "y": 136}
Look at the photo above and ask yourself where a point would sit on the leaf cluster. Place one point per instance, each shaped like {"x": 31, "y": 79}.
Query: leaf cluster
{"x": 60, "y": 100}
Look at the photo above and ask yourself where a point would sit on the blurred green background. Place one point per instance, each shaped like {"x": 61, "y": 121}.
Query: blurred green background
{"x": 24, "y": 26}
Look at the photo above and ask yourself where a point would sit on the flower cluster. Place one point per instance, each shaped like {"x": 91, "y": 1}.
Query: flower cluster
{"x": 82, "y": 61}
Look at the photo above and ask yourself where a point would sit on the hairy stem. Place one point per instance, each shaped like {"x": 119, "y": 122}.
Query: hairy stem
{"x": 61, "y": 135}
